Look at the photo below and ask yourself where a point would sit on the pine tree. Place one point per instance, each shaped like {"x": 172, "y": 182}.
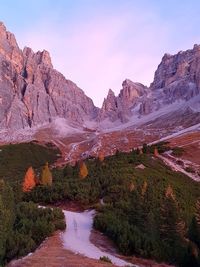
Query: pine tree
{"x": 7, "y": 217}
{"x": 172, "y": 228}
{"x": 193, "y": 232}
{"x": 29, "y": 180}
{"x": 197, "y": 213}
{"x": 2, "y": 231}
{"x": 83, "y": 171}
{"x": 46, "y": 176}
{"x": 194, "y": 229}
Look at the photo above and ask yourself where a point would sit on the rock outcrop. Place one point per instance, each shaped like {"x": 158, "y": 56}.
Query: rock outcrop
{"x": 120, "y": 107}
{"x": 32, "y": 92}
{"x": 176, "y": 80}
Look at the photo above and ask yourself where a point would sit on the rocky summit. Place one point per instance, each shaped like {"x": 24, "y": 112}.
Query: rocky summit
{"x": 176, "y": 80}
{"x": 33, "y": 93}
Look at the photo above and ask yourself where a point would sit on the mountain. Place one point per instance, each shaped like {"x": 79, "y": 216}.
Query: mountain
{"x": 38, "y": 103}
{"x": 32, "y": 92}
{"x": 176, "y": 81}
{"x": 119, "y": 107}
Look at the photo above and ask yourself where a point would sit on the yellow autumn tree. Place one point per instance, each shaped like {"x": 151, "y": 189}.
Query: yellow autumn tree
{"x": 169, "y": 193}
{"x": 131, "y": 187}
{"x": 46, "y": 176}
{"x": 83, "y": 171}
{"x": 144, "y": 188}
{"x": 29, "y": 180}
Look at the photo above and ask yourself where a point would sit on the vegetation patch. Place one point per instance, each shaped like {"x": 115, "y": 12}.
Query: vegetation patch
{"x": 105, "y": 259}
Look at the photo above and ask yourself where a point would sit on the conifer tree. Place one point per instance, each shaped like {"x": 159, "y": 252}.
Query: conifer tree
{"x": 29, "y": 180}
{"x": 172, "y": 228}
{"x": 197, "y": 212}
{"x": 2, "y": 231}
{"x": 7, "y": 217}
{"x": 46, "y": 176}
{"x": 194, "y": 229}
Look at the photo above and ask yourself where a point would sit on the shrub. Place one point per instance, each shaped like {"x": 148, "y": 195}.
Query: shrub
{"x": 105, "y": 258}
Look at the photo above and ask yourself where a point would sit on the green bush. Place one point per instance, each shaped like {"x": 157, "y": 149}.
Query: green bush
{"x": 105, "y": 258}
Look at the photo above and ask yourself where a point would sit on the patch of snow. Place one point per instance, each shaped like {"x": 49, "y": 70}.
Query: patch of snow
{"x": 77, "y": 237}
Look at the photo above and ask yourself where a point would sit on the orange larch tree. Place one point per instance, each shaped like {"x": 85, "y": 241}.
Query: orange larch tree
{"x": 83, "y": 171}
{"x": 29, "y": 180}
{"x": 101, "y": 156}
{"x": 156, "y": 154}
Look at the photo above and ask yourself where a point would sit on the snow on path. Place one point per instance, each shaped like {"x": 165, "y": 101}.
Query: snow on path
{"x": 77, "y": 237}
{"x": 178, "y": 168}
{"x": 195, "y": 127}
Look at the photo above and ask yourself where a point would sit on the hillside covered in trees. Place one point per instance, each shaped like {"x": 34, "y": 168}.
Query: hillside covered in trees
{"x": 148, "y": 210}
{"x": 23, "y": 225}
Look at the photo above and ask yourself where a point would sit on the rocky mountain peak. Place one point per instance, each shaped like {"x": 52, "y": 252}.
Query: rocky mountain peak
{"x": 109, "y": 107}
{"x": 2, "y": 29}
{"x": 32, "y": 93}
{"x": 131, "y": 90}
{"x": 111, "y": 94}
{"x": 40, "y": 57}
{"x": 9, "y": 48}
{"x": 119, "y": 107}
{"x": 7, "y": 39}
{"x": 181, "y": 66}
{"x": 44, "y": 58}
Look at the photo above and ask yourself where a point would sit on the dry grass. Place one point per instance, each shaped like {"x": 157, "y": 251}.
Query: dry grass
{"x": 191, "y": 144}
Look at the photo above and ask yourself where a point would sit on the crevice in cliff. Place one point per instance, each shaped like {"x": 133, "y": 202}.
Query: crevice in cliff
{"x": 29, "y": 120}
{"x": 46, "y": 86}
{"x": 54, "y": 104}
{"x": 23, "y": 90}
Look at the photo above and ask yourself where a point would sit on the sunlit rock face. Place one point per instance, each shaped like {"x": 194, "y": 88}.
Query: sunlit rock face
{"x": 32, "y": 92}
{"x": 120, "y": 107}
{"x": 176, "y": 79}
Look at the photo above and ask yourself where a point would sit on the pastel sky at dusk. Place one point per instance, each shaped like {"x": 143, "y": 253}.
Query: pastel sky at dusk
{"x": 99, "y": 43}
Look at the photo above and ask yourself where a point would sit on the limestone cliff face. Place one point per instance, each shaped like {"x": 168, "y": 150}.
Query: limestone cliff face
{"x": 32, "y": 92}
{"x": 177, "y": 79}
{"x": 120, "y": 107}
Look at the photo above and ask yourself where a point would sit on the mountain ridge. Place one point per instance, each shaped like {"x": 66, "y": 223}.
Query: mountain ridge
{"x": 38, "y": 102}
{"x": 32, "y": 92}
